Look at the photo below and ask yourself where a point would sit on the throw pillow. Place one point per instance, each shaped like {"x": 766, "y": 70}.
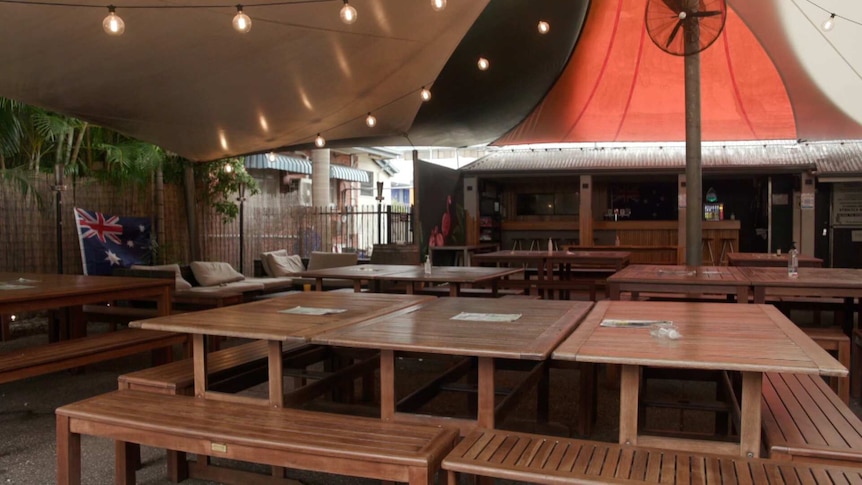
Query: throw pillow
{"x": 285, "y": 265}
{"x": 264, "y": 261}
{"x": 179, "y": 284}
{"x": 212, "y": 273}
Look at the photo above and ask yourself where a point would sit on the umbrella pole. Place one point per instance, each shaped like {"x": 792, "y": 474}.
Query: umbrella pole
{"x": 693, "y": 182}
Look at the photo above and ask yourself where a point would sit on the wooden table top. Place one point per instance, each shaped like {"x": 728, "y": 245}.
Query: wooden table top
{"x": 465, "y": 247}
{"x": 359, "y": 271}
{"x": 262, "y": 320}
{"x": 607, "y": 257}
{"x": 770, "y": 259}
{"x": 452, "y": 274}
{"x": 678, "y": 274}
{"x": 715, "y": 336}
{"x": 542, "y": 325}
{"x": 808, "y": 277}
{"x": 24, "y": 291}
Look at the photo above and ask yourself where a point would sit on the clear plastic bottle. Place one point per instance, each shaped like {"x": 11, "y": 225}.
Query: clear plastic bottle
{"x": 793, "y": 261}
{"x": 428, "y": 264}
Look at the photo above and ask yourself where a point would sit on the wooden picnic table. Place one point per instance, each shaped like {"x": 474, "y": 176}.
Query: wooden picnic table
{"x": 292, "y": 318}
{"x": 537, "y": 328}
{"x": 559, "y": 270}
{"x": 770, "y": 259}
{"x": 639, "y": 278}
{"x": 750, "y": 339}
{"x": 413, "y": 275}
{"x": 810, "y": 282}
{"x": 23, "y": 292}
{"x": 462, "y": 253}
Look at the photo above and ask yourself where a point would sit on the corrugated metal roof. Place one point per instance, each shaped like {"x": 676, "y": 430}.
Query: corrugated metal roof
{"x": 300, "y": 165}
{"x": 834, "y": 158}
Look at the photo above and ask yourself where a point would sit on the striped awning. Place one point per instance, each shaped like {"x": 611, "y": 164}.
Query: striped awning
{"x": 278, "y": 162}
{"x": 348, "y": 173}
{"x": 287, "y": 163}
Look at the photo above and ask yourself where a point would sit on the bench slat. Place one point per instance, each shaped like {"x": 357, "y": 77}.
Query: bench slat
{"x": 595, "y": 462}
{"x": 277, "y": 436}
{"x": 805, "y": 420}
{"x": 43, "y": 359}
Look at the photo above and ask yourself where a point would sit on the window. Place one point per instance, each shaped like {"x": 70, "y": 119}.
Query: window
{"x": 367, "y": 188}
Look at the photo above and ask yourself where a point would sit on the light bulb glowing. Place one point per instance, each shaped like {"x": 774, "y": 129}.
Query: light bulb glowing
{"x": 425, "y": 94}
{"x": 438, "y": 5}
{"x": 113, "y": 24}
{"x": 347, "y": 13}
{"x": 483, "y": 64}
{"x": 370, "y": 120}
{"x": 12, "y": 318}
{"x": 241, "y": 21}
{"x": 319, "y": 141}
{"x": 271, "y": 156}
{"x": 544, "y": 27}
{"x": 228, "y": 168}
{"x": 829, "y": 23}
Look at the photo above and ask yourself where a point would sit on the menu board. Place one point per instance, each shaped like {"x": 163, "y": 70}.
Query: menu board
{"x": 847, "y": 204}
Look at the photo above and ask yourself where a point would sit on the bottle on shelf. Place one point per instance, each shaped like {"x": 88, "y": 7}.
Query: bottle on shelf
{"x": 428, "y": 263}
{"x": 793, "y": 261}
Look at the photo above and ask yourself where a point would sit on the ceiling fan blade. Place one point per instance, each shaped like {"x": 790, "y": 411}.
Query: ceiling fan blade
{"x": 709, "y": 13}
{"x": 673, "y": 33}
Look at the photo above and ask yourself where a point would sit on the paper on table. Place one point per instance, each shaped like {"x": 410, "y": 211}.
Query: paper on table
{"x": 610, "y": 322}
{"x": 487, "y": 317}
{"x": 9, "y": 286}
{"x": 307, "y": 310}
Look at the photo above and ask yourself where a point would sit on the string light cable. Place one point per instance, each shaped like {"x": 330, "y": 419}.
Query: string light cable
{"x": 824, "y": 31}
{"x": 830, "y": 18}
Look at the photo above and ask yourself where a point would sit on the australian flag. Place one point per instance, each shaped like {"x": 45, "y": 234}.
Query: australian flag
{"x": 109, "y": 242}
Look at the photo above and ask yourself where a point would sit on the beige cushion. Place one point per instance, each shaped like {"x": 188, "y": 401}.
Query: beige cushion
{"x": 322, "y": 260}
{"x": 264, "y": 260}
{"x": 212, "y": 273}
{"x": 179, "y": 284}
{"x": 284, "y": 265}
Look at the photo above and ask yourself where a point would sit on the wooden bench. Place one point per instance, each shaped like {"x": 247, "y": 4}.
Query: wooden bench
{"x": 804, "y": 420}
{"x": 443, "y": 290}
{"x": 551, "y": 460}
{"x": 321, "y": 442}
{"x": 68, "y": 354}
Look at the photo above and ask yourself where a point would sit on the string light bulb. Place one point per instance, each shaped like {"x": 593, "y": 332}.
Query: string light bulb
{"x": 319, "y": 141}
{"x": 228, "y": 168}
{"x": 438, "y": 5}
{"x": 113, "y": 24}
{"x": 371, "y": 120}
{"x": 347, "y": 13}
{"x": 483, "y": 64}
{"x": 241, "y": 21}
{"x": 544, "y": 27}
{"x": 271, "y": 156}
{"x": 425, "y": 94}
{"x": 829, "y": 23}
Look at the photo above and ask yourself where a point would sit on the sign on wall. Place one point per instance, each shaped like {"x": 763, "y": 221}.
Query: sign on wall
{"x": 847, "y": 204}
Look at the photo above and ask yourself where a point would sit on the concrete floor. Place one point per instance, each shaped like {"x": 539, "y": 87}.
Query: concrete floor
{"x": 27, "y": 436}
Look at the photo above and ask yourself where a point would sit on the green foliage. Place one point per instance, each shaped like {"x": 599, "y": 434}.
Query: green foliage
{"x": 221, "y": 181}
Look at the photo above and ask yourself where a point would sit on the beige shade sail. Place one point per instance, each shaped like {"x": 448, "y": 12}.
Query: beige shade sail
{"x": 184, "y": 79}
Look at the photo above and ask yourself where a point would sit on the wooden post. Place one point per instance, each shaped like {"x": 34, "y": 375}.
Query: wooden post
{"x": 585, "y": 210}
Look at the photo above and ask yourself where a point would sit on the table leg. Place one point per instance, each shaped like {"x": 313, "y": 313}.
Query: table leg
{"x": 387, "y": 384}
{"x": 759, "y": 294}
{"x": 199, "y": 360}
{"x": 749, "y": 433}
{"x": 318, "y": 284}
{"x": 614, "y": 291}
{"x": 629, "y": 390}
{"x": 68, "y": 453}
{"x": 485, "y": 413}
{"x": 163, "y": 304}
{"x": 454, "y": 289}
{"x": 742, "y": 294}
{"x": 276, "y": 374}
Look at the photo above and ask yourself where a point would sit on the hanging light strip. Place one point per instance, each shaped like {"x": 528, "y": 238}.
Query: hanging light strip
{"x": 830, "y": 18}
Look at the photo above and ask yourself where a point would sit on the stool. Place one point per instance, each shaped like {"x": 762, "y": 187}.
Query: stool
{"x": 726, "y": 248}
{"x": 536, "y": 245}
{"x": 706, "y": 242}
{"x": 518, "y": 243}
{"x": 833, "y": 339}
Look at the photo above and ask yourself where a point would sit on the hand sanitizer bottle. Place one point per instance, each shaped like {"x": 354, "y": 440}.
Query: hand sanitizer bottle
{"x": 793, "y": 261}
{"x": 428, "y": 264}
